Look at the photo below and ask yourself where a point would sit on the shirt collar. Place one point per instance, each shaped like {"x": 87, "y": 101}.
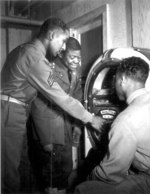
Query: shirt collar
{"x": 40, "y": 46}
{"x": 135, "y": 94}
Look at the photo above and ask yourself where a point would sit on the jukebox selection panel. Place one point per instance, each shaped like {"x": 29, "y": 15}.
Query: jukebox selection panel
{"x": 103, "y": 98}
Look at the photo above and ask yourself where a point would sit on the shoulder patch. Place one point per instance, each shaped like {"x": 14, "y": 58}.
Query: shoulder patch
{"x": 50, "y": 79}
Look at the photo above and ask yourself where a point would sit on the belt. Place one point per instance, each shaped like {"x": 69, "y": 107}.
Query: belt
{"x": 14, "y": 100}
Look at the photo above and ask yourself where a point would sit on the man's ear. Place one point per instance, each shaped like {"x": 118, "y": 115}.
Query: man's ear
{"x": 123, "y": 80}
{"x": 51, "y": 35}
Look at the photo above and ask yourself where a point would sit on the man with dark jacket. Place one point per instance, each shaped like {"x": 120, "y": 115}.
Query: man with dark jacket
{"x": 53, "y": 126}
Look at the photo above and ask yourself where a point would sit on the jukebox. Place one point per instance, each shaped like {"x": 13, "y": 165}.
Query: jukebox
{"x": 99, "y": 94}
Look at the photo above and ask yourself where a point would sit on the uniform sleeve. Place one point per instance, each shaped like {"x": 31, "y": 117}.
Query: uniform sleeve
{"x": 121, "y": 150}
{"x": 40, "y": 76}
{"x": 78, "y": 93}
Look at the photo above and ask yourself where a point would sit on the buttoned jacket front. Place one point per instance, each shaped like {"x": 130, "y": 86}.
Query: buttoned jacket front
{"x": 56, "y": 123}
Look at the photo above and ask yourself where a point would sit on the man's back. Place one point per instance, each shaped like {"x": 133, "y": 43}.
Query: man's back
{"x": 15, "y": 73}
{"x": 136, "y": 118}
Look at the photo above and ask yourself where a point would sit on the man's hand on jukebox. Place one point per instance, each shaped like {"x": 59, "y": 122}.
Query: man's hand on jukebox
{"x": 98, "y": 123}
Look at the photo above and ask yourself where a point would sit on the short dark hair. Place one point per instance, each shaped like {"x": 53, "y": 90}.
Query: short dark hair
{"x": 73, "y": 44}
{"x": 135, "y": 68}
{"x": 52, "y": 24}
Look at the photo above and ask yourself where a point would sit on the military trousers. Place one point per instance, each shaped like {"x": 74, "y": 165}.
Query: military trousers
{"x": 52, "y": 169}
{"x": 13, "y": 129}
{"x": 133, "y": 184}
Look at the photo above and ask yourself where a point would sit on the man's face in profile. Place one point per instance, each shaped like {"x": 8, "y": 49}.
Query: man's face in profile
{"x": 58, "y": 41}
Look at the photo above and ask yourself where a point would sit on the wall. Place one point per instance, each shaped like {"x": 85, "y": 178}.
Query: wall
{"x": 126, "y": 21}
{"x": 117, "y": 25}
{"x": 11, "y": 38}
{"x": 80, "y": 8}
{"x": 13, "y": 33}
{"x": 141, "y": 23}
{"x": 129, "y": 24}
{"x": 17, "y": 37}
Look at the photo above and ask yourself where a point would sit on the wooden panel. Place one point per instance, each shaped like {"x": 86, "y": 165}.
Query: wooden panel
{"x": 3, "y": 47}
{"x": 141, "y": 23}
{"x": 129, "y": 23}
{"x": 2, "y": 8}
{"x": 11, "y": 38}
{"x": 104, "y": 33}
{"x": 88, "y": 18}
{"x": 80, "y": 8}
{"x": 117, "y": 24}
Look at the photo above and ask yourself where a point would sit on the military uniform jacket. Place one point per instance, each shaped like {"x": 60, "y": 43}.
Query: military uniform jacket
{"x": 27, "y": 71}
{"x": 53, "y": 125}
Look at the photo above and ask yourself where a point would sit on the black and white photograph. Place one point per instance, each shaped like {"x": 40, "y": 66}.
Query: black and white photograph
{"x": 75, "y": 97}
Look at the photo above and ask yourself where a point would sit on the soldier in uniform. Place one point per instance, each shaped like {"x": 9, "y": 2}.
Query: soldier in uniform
{"x": 53, "y": 126}
{"x": 25, "y": 72}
